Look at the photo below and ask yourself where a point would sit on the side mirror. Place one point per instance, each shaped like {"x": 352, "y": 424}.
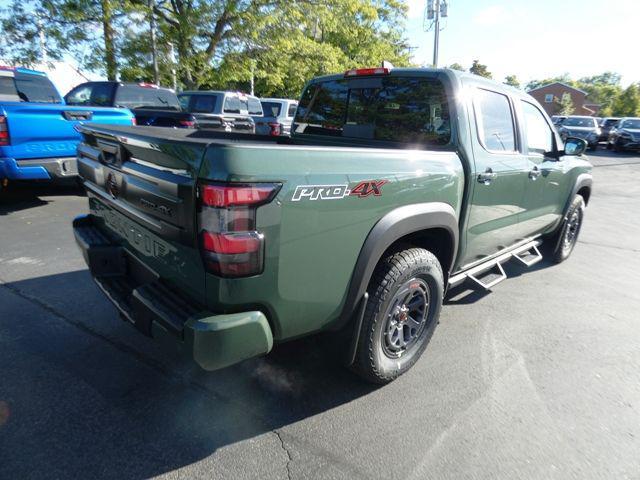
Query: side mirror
{"x": 574, "y": 146}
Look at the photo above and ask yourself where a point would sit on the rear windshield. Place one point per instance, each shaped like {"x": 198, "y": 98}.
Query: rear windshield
{"x": 579, "y": 122}
{"x": 234, "y": 103}
{"x": 399, "y": 109}
{"x": 135, "y": 96}
{"x": 24, "y": 87}
{"x": 271, "y": 109}
{"x": 610, "y": 121}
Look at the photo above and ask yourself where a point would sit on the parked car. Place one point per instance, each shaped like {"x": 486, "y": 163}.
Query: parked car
{"x": 625, "y": 135}
{"x": 37, "y": 130}
{"x": 278, "y": 116}
{"x": 152, "y": 105}
{"x": 558, "y": 119}
{"x": 222, "y": 111}
{"x": 357, "y": 225}
{"x": 605, "y": 127}
{"x": 581, "y": 127}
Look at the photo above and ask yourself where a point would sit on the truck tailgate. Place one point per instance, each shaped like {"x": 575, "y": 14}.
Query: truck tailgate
{"x": 48, "y": 130}
{"x": 144, "y": 194}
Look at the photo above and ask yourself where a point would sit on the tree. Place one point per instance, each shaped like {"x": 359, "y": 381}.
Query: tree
{"x": 512, "y": 80}
{"x": 533, "y": 84}
{"x": 85, "y": 29}
{"x": 566, "y": 105}
{"x": 479, "y": 69}
{"x": 628, "y": 102}
{"x": 280, "y": 43}
{"x": 457, "y": 66}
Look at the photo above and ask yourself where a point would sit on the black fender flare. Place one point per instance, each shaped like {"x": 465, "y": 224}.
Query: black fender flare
{"x": 396, "y": 224}
{"x": 582, "y": 180}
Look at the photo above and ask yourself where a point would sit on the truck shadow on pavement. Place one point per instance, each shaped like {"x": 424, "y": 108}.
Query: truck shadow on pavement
{"x": 23, "y": 197}
{"x": 84, "y": 395}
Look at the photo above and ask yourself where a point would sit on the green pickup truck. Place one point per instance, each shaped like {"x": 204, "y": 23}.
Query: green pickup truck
{"x": 395, "y": 185}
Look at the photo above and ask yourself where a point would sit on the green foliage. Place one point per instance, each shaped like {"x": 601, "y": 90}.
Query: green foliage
{"x": 220, "y": 44}
{"x": 627, "y": 104}
{"x": 479, "y": 69}
{"x": 566, "y": 106}
{"x": 457, "y": 66}
{"x": 512, "y": 80}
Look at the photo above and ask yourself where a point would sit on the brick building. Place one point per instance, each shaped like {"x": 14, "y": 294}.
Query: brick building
{"x": 551, "y": 95}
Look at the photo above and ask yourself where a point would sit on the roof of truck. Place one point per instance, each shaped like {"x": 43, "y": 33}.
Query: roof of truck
{"x": 427, "y": 71}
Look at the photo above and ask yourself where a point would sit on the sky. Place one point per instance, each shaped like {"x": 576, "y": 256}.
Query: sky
{"x": 535, "y": 39}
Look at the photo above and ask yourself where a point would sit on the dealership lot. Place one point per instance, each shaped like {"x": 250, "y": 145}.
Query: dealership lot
{"x": 538, "y": 379}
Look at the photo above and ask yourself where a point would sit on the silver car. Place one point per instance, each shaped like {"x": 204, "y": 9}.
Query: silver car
{"x": 277, "y": 118}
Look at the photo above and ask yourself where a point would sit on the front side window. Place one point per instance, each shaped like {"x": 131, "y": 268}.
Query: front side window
{"x": 292, "y": 110}
{"x": 97, "y": 94}
{"x": 539, "y": 135}
{"x": 36, "y": 89}
{"x": 495, "y": 121}
{"x": 397, "y": 109}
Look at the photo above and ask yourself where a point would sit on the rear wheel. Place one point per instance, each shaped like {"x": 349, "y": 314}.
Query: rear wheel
{"x": 406, "y": 297}
{"x": 567, "y": 236}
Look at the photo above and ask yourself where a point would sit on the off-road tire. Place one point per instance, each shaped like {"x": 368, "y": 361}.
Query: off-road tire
{"x": 392, "y": 274}
{"x": 561, "y": 248}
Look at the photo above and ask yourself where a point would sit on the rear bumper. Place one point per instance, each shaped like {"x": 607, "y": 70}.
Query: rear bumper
{"x": 38, "y": 168}
{"x": 212, "y": 341}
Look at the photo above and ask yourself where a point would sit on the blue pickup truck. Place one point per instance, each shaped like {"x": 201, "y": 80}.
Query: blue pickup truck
{"x": 38, "y": 138}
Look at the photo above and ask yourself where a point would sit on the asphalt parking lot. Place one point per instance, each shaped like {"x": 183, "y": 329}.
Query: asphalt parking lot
{"x": 538, "y": 379}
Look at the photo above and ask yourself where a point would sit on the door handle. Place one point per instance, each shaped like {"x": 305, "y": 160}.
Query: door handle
{"x": 487, "y": 177}
{"x": 534, "y": 173}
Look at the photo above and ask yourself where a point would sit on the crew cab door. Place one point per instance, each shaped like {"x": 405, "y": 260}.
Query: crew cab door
{"x": 498, "y": 178}
{"x": 545, "y": 184}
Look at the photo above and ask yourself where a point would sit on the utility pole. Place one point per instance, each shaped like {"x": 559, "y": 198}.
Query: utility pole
{"x": 436, "y": 9}
{"x": 172, "y": 59}
{"x": 154, "y": 45}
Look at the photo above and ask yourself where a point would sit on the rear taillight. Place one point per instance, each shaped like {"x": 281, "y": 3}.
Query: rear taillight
{"x": 4, "y": 131}
{"x": 187, "y": 123}
{"x": 276, "y": 129}
{"x": 133, "y": 121}
{"x": 230, "y": 244}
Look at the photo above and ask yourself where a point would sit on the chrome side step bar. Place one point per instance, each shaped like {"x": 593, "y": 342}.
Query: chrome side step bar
{"x": 527, "y": 254}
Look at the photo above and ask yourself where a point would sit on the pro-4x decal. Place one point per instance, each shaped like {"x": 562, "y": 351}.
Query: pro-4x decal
{"x": 370, "y": 187}
{"x": 336, "y": 192}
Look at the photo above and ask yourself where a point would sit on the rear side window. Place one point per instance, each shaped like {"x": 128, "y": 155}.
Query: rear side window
{"x": 495, "y": 121}
{"x": 292, "y": 110}
{"x": 134, "y": 96}
{"x": 271, "y": 109}
{"x": 92, "y": 94}
{"x": 36, "y": 88}
{"x": 203, "y": 103}
{"x": 8, "y": 92}
{"x": 232, "y": 104}
{"x": 398, "y": 109}
{"x": 254, "y": 106}
{"x": 539, "y": 134}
